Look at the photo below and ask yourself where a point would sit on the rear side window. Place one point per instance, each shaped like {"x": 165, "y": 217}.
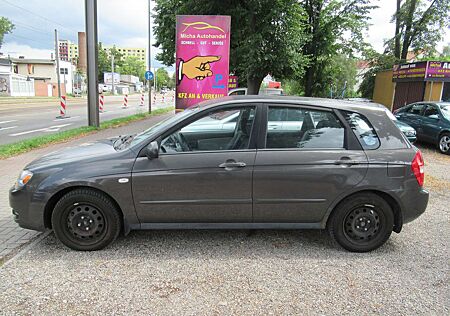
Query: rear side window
{"x": 292, "y": 127}
{"x": 363, "y": 130}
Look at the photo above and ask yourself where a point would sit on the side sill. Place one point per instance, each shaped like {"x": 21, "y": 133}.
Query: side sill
{"x": 148, "y": 226}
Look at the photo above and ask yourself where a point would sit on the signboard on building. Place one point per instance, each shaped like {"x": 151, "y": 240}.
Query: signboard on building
{"x": 202, "y": 58}
{"x": 232, "y": 82}
{"x": 422, "y": 71}
{"x": 108, "y": 76}
{"x": 410, "y": 72}
{"x": 438, "y": 71}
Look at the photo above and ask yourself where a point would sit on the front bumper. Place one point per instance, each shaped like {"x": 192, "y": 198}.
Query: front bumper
{"x": 26, "y": 213}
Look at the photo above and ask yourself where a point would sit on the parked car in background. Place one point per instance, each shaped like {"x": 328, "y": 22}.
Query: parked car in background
{"x": 265, "y": 91}
{"x": 431, "y": 121}
{"x": 336, "y": 165}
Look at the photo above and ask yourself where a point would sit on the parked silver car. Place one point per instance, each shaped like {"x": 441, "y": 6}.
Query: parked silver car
{"x": 335, "y": 165}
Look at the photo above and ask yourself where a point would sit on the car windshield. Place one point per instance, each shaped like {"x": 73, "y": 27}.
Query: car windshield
{"x": 445, "y": 109}
{"x": 159, "y": 126}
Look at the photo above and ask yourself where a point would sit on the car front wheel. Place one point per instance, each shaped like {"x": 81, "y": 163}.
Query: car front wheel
{"x": 361, "y": 223}
{"x": 444, "y": 143}
{"x": 86, "y": 219}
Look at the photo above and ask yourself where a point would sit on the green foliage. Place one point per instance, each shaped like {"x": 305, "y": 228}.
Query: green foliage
{"x": 133, "y": 65}
{"x": 339, "y": 76}
{"x": 6, "y": 27}
{"x": 162, "y": 78}
{"x": 266, "y": 35}
{"x": 334, "y": 27}
{"x": 421, "y": 27}
{"x": 104, "y": 61}
{"x": 377, "y": 63}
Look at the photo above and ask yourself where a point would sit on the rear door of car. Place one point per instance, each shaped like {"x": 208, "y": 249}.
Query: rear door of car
{"x": 413, "y": 116}
{"x": 296, "y": 179}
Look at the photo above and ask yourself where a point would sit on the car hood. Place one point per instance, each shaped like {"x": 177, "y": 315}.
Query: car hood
{"x": 93, "y": 150}
{"x": 403, "y": 126}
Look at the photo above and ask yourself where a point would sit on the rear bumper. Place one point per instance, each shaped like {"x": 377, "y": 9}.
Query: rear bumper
{"x": 414, "y": 205}
{"x": 26, "y": 213}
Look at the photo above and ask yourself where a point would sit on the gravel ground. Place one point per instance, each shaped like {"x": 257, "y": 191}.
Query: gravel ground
{"x": 233, "y": 272}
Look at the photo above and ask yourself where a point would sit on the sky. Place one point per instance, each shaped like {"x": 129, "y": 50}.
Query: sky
{"x": 120, "y": 22}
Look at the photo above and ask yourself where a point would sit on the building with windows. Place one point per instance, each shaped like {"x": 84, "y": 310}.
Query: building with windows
{"x": 138, "y": 52}
{"x": 68, "y": 51}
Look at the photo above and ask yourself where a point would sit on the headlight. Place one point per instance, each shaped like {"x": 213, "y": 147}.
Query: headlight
{"x": 23, "y": 179}
{"x": 410, "y": 133}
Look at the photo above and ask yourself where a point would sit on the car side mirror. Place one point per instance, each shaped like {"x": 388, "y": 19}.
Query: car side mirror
{"x": 152, "y": 150}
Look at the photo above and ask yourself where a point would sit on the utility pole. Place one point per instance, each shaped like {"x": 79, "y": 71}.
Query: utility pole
{"x": 92, "y": 61}
{"x": 112, "y": 72}
{"x": 57, "y": 63}
{"x": 149, "y": 55}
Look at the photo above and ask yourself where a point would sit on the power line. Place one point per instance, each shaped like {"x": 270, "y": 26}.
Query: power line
{"x": 26, "y": 38}
{"x": 31, "y": 28}
{"x": 38, "y": 15}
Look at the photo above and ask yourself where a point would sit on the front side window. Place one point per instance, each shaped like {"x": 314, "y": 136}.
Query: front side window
{"x": 303, "y": 128}
{"x": 228, "y": 129}
{"x": 416, "y": 109}
{"x": 363, "y": 130}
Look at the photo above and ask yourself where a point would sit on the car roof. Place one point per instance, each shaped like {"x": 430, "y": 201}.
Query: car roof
{"x": 341, "y": 104}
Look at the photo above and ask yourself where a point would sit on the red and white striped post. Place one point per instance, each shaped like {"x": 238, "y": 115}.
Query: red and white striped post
{"x": 62, "y": 108}
{"x": 125, "y": 101}
{"x": 142, "y": 100}
{"x": 154, "y": 98}
{"x": 163, "y": 98}
{"x": 101, "y": 103}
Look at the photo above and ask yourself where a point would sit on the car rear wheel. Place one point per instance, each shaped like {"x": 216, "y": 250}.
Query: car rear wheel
{"x": 86, "y": 219}
{"x": 444, "y": 143}
{"x": 361, "y": 223}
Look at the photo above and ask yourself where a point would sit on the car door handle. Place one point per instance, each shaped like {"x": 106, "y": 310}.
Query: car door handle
{"x": 231, "y": 164}
{"x": 346, "y": 161}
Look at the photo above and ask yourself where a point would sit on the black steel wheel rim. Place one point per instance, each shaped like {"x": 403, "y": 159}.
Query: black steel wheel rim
{"x": 85, "y": 223}
{"x": 362, "y": 224}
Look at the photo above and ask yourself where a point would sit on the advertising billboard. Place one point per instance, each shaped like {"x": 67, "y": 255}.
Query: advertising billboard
{"x": 438, "y": 71}
{"x": 202, "y": 58}
{"x": 422, "y": 71}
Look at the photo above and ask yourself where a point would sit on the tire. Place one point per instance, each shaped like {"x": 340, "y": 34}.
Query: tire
{"x": 444, "y": 143}
{"x": 361, "y": 223}
{"x": 86, "y": 220}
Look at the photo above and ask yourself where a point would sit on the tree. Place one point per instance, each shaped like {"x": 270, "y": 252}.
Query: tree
{"x": 162, "y": 78}
{"x": 419, "y": 26}
{"x": 132, "y": 65}
{"x": 333, "y": 27}
{"x": 267, "y": 36}
{"x": 6, "y": 27}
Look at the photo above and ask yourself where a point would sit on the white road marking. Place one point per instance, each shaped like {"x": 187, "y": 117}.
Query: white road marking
{"x": 54, "y": 128}
{"x": 67, "y": 118}
{"x": 9, "y": 127}
{"x": 4, "y": 122}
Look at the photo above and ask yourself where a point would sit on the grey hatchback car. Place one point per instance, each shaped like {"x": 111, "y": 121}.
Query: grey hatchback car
{"x": 325, "y": 164}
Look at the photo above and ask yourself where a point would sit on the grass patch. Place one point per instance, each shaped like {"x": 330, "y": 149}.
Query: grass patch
{"x": 23, "y": 146}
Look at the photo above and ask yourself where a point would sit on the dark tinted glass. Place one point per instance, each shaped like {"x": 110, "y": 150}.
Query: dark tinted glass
{"x": 363, "y": 130}
{"x": 416, "y": 109}
{"x": 303, "y": 128}
{"x": 431, "y": 110}
{"x": 220, "y": 130}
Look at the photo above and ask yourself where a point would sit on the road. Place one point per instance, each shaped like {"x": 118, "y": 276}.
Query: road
{"x": 23, "y": 121}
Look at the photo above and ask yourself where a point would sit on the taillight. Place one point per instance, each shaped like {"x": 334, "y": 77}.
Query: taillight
{"x": 417, "y": 167}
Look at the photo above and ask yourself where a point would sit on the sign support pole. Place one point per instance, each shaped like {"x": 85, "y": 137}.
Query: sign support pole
{"x": 92, "y": 62}
{"x": 149, "y": 55}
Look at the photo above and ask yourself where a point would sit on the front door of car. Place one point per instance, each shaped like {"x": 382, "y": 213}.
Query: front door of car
{"x": 413, "y": 116}
{"x": 297, "y": 176}
{"x": 430, "y": 123}
{"x": 203, "y": 172}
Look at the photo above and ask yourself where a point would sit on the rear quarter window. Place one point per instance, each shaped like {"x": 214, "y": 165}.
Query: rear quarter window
{"x": 363, "y": 130}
